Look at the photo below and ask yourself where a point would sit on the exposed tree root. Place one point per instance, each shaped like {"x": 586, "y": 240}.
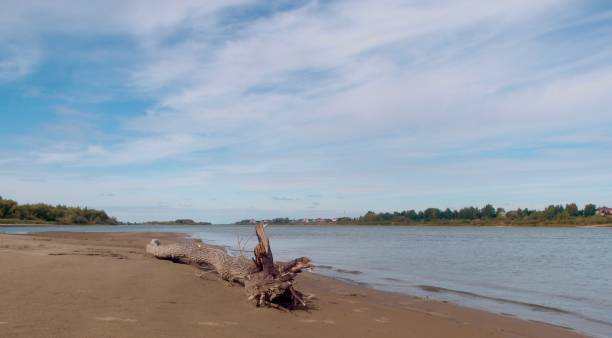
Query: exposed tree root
{"x": 266, "y": 283}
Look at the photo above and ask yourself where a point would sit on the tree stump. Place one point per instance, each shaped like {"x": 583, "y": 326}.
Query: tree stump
{"x": 266, "y": 283}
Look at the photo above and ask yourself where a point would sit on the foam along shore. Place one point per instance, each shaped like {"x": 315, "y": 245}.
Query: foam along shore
{"x": 102, "y": 284}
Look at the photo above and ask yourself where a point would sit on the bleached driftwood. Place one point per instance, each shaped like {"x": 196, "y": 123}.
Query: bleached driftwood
{"x": 266, "y": 283}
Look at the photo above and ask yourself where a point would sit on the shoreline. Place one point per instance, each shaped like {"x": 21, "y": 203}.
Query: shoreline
{"x": 79, "y": 284}
{"x": 606, "y": 225}
{"x": 42, "y": 225}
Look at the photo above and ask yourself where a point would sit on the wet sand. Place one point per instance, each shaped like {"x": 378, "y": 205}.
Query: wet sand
{"x": 103, "y": 285}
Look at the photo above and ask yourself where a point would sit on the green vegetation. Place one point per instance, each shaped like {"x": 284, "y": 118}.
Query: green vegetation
{"x": 280, "y": 220}
{"x": 13, "y": 213}
{"x": 569, "y": 214}
{"x": 177, "y": 222}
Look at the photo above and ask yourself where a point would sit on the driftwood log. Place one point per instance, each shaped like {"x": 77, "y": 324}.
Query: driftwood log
{"x": 267, "y": 283}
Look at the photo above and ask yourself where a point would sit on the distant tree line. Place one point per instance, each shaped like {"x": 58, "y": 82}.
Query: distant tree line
{"x": 568, "y": 214}
{"x": 488, "y": 215}
{"x": 11, "y": 212}
{"x": 175, "y": 222}
{"x": 279, "y": 220}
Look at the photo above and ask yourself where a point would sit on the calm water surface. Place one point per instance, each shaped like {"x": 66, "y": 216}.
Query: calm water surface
{"x": 557, "y": 275}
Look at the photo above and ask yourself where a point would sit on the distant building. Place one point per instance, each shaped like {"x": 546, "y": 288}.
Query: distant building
{"x": 604, "y": 211}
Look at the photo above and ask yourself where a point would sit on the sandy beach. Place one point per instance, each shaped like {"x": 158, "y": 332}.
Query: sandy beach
{"x": 103, "y": 285}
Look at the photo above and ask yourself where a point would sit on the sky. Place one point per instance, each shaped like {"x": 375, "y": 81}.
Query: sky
{"x": 225, "y": 110}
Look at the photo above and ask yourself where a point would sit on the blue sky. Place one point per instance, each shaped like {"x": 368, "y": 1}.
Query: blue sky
{"x": 223, "y": 110}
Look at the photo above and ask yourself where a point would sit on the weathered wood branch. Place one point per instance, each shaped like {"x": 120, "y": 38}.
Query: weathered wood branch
{"x": 266, "y": 282}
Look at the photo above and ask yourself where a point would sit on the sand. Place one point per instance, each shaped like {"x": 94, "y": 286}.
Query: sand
{"x": 103, "y": 285}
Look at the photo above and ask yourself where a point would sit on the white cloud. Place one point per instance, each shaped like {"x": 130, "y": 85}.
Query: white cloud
{"x": 141, "y": 150}
{"x": 17, "y": 59}
{"x": 388, "y": 63}
{"x": 141, "y": 18}
{"x": 147, "y": 22}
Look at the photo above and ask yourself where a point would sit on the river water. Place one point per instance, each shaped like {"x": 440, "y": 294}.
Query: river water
{"x": 556, "y": 275}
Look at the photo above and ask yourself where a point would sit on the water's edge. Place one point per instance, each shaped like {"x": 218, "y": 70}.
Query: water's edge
{"x": 516, "y": 288}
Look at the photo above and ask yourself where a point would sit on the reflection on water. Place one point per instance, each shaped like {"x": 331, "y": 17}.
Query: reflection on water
{"x": 558, "y": 275}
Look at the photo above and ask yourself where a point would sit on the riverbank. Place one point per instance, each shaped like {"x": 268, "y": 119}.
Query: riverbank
{"x": 91, "y": 284}
{"x": 431, "y": 224}
{"x": 22, "y": 225}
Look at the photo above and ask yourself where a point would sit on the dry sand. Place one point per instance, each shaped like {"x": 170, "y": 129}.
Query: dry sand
{"x": 103, "y": 285}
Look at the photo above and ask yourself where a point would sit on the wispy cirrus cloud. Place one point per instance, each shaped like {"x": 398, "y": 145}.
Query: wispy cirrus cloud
{"x": 17, "y": 59}
{"x": 378, "y": 102}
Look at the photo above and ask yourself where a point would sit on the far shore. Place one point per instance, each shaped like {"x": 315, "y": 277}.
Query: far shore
{"x": 51, "y": 225}
{"x": 333, "y": 224}
{"x": 71, "y": 284}
{"x": 455, "y": 225}
{"x": 595, "y": 226}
